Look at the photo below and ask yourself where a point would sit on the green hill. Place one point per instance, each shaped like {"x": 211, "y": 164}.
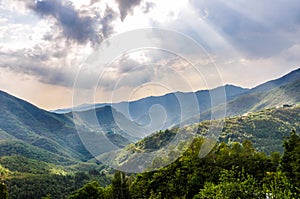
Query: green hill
{"x": 54, "y": 133}
{"x": 266, "y": 129}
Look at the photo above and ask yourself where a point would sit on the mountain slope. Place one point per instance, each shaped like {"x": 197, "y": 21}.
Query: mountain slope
{"x": 162, "y": 112}
{"x": 288, "y": 78}
{"x": 230, "y": 90}
{"x": 125, "y": 122}
{"x": 286, "y": 94}
{"x": 266, "y": 129}
{"x": 24, "y": 127}
{"x": 155, "y": 113}
{"x": 25, "y": 122}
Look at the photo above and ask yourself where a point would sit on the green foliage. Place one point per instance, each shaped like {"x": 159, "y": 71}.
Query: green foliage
{"x": 48, "y": 196}
{"x": 157, "y": 140}
{"x": 24, "y": 165}
{"x": 120, "y": 187}
{"x": 231, "y": 184}
{"x": 228, "y": 171}
{"x": 23, "y": 185}
{"x": 13, "y": 147}
{"x": 256, "y": 101}
{"x": 3, "y": 191}
{"x": 266, "y": 129}
{"x": 290, "y": 162}
{"x": 91, "y": 190}
{"x": 278, "y": 186}
{"x": 4, "y": 172}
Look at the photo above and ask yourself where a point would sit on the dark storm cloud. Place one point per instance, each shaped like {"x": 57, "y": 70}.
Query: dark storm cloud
{"x": 126, "y": 6}
{"x": 258, "y": 28}
{"x": 74, "y": 25}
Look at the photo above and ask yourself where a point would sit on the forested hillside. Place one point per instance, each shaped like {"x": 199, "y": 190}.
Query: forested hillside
{"x": 41, "y": 152}
{"x": 266, "y": 129}
{"x": 239, "y": 157}
{"x": 228, "y": 171}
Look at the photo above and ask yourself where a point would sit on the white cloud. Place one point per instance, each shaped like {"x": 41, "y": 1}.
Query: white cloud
{"x": 249, "y": 41}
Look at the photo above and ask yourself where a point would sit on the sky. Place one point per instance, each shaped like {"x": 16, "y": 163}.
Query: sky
{"x": 51, "y": 49}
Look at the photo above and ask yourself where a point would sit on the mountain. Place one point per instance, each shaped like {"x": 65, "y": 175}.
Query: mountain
{"x": 46, "y": 147}
{"x": 24, "y": 122}
{"x": 128, "y": 122}
{"x": 288, "y": 78}
{"x": 156, "y": 113}
{"x": 230, "y": 90}
{"x": 83, "y": 107}
{"x": 37, "y": 134}
{"x": 266, "y": 129}
{"x": 287, "y": 94}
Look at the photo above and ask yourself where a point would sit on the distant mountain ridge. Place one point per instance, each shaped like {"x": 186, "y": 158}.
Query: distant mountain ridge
{"x": 288, "y": 78}
{"x": 35, "y": 143}
{"x": 287, "y": 94}
{"x": 231, "y": 91}
{"x": 175, "y": 111}
{"x": 24, "y": 127}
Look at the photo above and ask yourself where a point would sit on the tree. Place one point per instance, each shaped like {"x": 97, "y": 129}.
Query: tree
{"x": 3, "y": 191}
{"x": 48, "y": 196}
{"x": 232, "y": 185}
{"x": 279, "y": 187}
{"x": 290, "y": 162}
{"x": 91, "y": 190}
{"x": 275, "y": 160}
{"x": 120, "y": 187}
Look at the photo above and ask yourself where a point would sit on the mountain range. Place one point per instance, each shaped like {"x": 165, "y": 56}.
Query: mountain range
{"x": 53, "y": 137}
{"x": 156, "y": 113}
{"x": 49, "y": 147}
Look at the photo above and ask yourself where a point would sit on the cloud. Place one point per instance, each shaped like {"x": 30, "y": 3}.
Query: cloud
{"x": 56, "y": 54}
{"x": 126, "y": 7}
{"x": 257, "y": 28}
{"x": 75, "y": 25}
{"x": 250, "y": 41}
{"x": 147, "y": 7}
{"x": 109, "y": 17}
{"x": 47, "y": 62}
